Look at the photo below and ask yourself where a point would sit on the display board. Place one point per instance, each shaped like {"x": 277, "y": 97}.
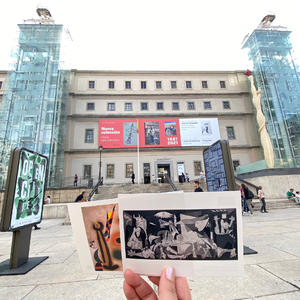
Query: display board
{"x": 158, "y": 132}
{"x": 25, "y": 189}
{"x": 218, "y": 167}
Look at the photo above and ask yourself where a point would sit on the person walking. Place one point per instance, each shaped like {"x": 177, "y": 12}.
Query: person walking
{"x": 75, "y": 179}
{"x": 249, "y": 196}
{"x": 132, "y": 177}
{"x": 261, "y": 197}
{"x": 244, "y": 203}
{"x": 197, "y": 186}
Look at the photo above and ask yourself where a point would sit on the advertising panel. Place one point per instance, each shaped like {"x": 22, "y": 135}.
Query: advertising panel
{"x": 199, "y": 132}
{"x": 115, "y": 133}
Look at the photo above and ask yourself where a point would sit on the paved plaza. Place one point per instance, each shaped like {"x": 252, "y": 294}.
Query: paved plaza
{"x": 273, "y": 273}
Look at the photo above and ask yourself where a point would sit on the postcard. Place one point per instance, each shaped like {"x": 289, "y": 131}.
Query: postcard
{"x": 96, "y": 231}
{"x": 199, "y": 234}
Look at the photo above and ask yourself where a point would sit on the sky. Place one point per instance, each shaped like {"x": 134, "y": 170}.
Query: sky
{"x": 151, "y": 35}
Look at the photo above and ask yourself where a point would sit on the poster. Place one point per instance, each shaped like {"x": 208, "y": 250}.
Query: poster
{"x": 29, "y": 190}
{"x": 199, "y": 132}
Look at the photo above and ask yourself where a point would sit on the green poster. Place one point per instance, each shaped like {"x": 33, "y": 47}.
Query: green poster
{"x": 29, "y": 189}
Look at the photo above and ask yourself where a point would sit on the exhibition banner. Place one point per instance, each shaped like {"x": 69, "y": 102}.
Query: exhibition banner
{"x": 199, "y": 132}
{"x": 115, "y": 133}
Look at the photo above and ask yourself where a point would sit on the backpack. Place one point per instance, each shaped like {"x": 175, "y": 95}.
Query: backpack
{"x": 250, "y": 194}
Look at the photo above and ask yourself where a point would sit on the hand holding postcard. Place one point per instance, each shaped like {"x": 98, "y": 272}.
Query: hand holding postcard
{"x": 196, "y": 233}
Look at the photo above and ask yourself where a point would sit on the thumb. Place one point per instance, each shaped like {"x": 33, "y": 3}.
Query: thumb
{"x": 167, "y": 289}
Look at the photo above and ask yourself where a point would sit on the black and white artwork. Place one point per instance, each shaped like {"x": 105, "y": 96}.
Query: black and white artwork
{"x": 191, "y": 234}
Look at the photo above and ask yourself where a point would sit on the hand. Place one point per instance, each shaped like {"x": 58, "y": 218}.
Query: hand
{"x": 169, "y": 287}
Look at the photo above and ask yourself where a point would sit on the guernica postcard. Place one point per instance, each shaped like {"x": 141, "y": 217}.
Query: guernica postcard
{"x": 199, "y": 234}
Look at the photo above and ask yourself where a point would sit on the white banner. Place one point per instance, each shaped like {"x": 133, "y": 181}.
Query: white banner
{"x": 199, "y": 132}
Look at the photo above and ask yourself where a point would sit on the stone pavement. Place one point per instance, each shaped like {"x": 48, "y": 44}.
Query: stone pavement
{"x": 273, "y": 273}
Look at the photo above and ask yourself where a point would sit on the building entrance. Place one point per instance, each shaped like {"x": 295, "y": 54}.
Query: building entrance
{"x": 162, "y": 171}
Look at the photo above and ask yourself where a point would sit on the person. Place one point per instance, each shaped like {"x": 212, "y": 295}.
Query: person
{"x": 187, "y": 177}
{"x": 132, "y": 177}
{"x": 182, "y": 177}
{"x": 170, "y": 287}
{"x": 261, "y": 197}
{"x": 249, "y": 196}
{"x": 75, "y": 179}
{"x": 81, "y": 197}
{"x": 197, "y": 186}
{"x": 244, "y": 203}
{"x": 297, "y": 197}
{"x": 47, "y": 200}
{"x": 290, "y": 194}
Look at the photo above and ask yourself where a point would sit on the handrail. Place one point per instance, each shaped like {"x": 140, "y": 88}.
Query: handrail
{"x": 94, "y": 190}
{"x": 247, "y": 182}
{"x": 171, "y": 182}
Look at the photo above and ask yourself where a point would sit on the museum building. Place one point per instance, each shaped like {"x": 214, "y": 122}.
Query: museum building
{"x": 155, "y": 123}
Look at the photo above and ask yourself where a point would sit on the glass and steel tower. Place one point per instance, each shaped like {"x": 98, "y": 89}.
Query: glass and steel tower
{"x": 33, "y": 111}
{"x": 277, "y": 76}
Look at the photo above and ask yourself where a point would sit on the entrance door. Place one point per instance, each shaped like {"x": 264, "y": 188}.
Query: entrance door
{"x": 162, "y": 171}
{"x": 146, "y": 173}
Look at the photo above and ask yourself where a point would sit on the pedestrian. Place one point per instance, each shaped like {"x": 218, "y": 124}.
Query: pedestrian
{"x": 132, "y": 177}
{"x": 81, "y": 197}
{"x": 202, "y": 177}
{"x": 244, "y": 203}
{"x": 261, "y": 197}
{"x": 75, "y": 180}
{"x": 47, "y": 200}
{"x": 187, "y": 177}
{"x": 249, "y": 196}
{"x": 297, "y": 197}
{"x": 182, "y": 177}
{"x": 197, "y": 186}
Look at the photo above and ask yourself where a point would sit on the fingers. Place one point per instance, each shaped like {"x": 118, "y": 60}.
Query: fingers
{"x": 136, "y": 288}
{"x": 167, "y": 289}
{"x": 182, "y": 288}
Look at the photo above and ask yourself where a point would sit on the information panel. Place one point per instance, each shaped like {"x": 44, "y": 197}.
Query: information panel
{"x": 23, "y": 200}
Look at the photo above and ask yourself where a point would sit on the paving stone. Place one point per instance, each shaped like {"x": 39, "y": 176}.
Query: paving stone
{"x": 15, "y": 293}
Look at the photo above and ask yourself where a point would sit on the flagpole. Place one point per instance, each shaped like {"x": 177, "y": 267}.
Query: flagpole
{"x": 138, "y": 153}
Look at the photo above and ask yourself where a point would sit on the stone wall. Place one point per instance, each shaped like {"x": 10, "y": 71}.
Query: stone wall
{"x": 66, "y": 195}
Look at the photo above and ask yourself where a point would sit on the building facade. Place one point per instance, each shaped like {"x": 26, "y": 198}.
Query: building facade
{"x": 118, "y": 95}
{"x": 277, "y": 77}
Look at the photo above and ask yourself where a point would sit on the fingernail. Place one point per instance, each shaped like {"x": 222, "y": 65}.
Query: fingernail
{"x": 170, "y": 274}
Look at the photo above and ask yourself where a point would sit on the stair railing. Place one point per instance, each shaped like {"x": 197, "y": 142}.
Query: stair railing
{"x": 95, "y": 189}
{"x": 170, "y": 181}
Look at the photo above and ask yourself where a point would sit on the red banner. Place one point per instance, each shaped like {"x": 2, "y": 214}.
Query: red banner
{"x": 114, "y": 133}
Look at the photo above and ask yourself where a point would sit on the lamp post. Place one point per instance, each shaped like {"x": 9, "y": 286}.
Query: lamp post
{"x": 100, "y": 150}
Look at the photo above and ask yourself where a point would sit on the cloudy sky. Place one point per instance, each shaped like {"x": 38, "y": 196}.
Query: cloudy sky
{"x": 152, "y": 35}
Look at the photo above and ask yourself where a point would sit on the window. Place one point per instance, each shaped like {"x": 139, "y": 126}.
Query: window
{"x": 226, "y": 104}
{"x": 110, "y": 171}
{"x": 111, "y": 106}
{"x": 143, "y": 84}
{"x": 173, "y": 85}
{"x": 190, "y": 105}
{"x": 207, "y": 105}
{"x": 111, "y": 84}
{"x": 0, "y": 85}
{"x": 128, "y": 170}
{"x": 128, "y": 106}
{"x": 230, "y": 133}
{"x": 127, "y": 84}
{"x": 236, "y": 163}
{"x": 188, "y": 84}
{"x": 197, "y": 167}
{"x": 144, "y": 106}
{"x": 159, "y": 106}
{"x": 90, "y": 106}
{"x": 204, "y": 85}
{"x": 222, "y": 84}
{"x": 158, "y": 84}
{"x": 87, "y": 171}
{"x": 89, "y": 136}
{"x": 91, "y": 84}
{"x": 175, "y": 105}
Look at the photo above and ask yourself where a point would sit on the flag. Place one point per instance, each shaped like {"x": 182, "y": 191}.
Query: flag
{"x": 137, "y": 126}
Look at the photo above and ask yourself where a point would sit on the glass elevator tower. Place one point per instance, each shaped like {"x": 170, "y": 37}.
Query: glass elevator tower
{"x": 33, "y": 111}
{"x": 277, "y": 76}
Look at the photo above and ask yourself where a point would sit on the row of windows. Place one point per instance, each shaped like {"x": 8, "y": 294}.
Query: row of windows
{"x": 159, "y": 106}
{"x": 110, "y": 170}
{"x": 89, "y": 134}
{"x": 158, "y": 84}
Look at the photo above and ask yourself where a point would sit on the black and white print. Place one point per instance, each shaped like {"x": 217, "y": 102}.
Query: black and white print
{"x": 202, "y": 234}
